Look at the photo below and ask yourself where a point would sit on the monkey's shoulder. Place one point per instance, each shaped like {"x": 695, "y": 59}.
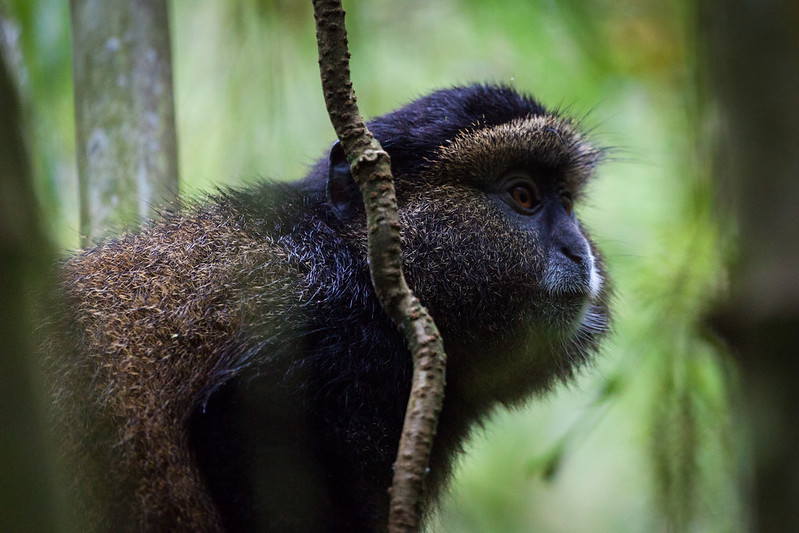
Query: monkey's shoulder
{"x": 177, "y": 294}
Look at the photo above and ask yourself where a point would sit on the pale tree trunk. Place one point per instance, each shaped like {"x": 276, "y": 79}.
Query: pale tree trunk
{"x": 752, "y": 54}
{"x": 124, "y": 113}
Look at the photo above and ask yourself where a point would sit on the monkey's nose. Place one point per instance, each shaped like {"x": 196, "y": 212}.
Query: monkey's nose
{"x": 575, "y": 253}
{"x": 570, "y": 268}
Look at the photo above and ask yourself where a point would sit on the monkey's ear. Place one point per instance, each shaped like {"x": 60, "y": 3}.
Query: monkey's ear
{"x": 343, "y": 194}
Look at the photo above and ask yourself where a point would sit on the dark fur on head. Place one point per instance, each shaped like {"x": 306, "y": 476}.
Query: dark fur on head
{"x": 230, "y": 366}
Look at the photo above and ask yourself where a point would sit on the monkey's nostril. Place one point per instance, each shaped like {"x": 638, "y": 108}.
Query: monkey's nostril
{"x": 576, "y": 256}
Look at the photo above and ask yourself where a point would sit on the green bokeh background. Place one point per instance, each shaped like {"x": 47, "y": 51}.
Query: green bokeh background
{"x": 646, "y": 440}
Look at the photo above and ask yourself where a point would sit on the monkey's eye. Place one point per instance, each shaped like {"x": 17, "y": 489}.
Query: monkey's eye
{"x": 524, "y": 195}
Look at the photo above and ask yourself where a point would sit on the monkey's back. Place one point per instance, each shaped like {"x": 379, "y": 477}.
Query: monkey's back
{"x": 149, "y": 324}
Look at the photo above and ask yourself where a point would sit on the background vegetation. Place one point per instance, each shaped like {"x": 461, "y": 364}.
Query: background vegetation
{"x": 646, "y": 440}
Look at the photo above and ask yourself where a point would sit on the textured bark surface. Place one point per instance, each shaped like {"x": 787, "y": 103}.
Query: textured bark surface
{"x": 124, "y": 113}
{"x": 371, "y": 169}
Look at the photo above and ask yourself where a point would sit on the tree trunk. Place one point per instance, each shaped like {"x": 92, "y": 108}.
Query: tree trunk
{"x": 752, "y": 56}
{"x": 124, "y": 113}
{"x": 26, "y": 486}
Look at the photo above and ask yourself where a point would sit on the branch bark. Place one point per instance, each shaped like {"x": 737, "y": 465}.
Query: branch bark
{"x": 371, "y": 168}
{"x": 124, "y": 112}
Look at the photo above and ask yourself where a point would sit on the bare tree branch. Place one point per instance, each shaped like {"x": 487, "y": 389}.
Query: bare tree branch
{"x": 371, "y": 169}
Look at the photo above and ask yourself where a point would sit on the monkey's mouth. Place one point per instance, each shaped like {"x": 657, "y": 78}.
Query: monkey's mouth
{"x": 568, "y": 315}
{"x": 571, "y": 293}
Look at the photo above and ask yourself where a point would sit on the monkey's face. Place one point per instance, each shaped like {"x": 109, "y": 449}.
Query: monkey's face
{"x": 494, "y": 248}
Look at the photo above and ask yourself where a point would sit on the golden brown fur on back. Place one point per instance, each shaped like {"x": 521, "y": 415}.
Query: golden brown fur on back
{"x": 155, "y": 312}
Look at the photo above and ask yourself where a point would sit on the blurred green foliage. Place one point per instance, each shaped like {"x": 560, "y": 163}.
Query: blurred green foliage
{"x": 645, "y": 441}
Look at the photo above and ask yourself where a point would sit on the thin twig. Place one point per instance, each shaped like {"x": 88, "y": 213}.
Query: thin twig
{"x": 371, "y": 169}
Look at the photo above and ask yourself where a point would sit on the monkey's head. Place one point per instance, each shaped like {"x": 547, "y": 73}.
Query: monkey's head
{"x": 489, "y": 184}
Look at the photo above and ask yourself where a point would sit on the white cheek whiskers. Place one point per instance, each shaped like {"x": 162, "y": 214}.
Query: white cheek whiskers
{"x": 595, "y": 279}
